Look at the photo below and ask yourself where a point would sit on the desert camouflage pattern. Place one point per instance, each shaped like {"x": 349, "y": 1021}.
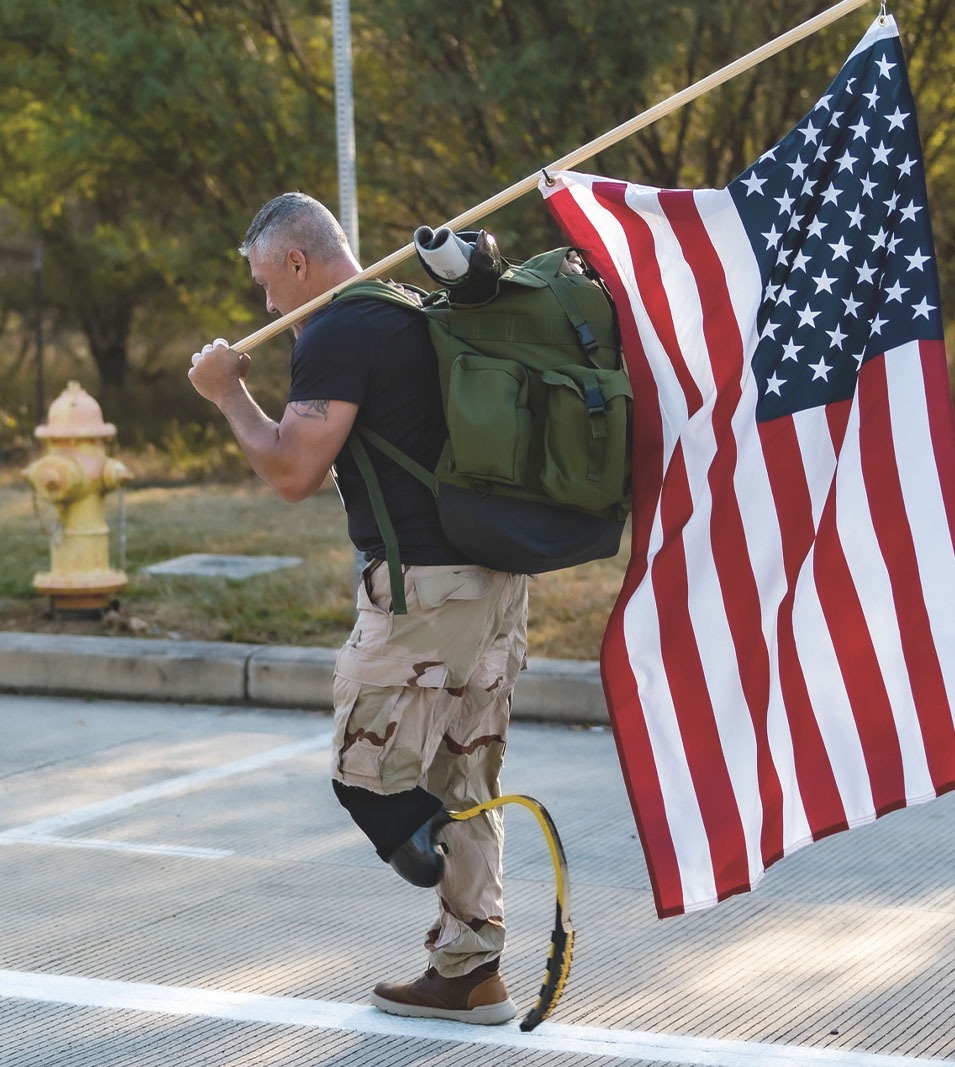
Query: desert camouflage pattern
{"x": 424, "y": 699}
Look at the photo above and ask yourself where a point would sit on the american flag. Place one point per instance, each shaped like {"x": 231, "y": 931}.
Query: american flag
{"x": 780, "y": 664}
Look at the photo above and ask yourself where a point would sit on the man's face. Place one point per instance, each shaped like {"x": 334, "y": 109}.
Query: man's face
{"x": 283, "y": 280}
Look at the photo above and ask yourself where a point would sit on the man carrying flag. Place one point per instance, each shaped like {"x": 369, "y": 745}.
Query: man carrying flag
{"x": 781, "y": 661}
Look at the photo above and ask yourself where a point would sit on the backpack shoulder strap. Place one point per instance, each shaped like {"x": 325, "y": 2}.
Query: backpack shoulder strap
{"x": 406, "y": 296}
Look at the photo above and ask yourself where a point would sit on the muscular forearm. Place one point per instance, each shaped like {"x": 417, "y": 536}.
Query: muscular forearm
{"x": 259, "y": 438}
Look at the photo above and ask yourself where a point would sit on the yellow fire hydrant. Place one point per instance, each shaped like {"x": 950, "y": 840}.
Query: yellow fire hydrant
{"x": 75, "y": 475}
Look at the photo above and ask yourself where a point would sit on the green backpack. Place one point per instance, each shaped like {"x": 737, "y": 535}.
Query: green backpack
{"x": 535, "y": 474}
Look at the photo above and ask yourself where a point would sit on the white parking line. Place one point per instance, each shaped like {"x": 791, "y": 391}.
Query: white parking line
{"x": 363, "y": 1019}
{"x": 48, "y": 831}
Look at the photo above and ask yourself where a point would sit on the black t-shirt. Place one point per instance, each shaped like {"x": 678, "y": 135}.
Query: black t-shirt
{"x": 379, "y": 356}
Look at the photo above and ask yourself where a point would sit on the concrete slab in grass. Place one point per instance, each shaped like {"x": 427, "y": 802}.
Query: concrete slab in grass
{"x": 236, "y": 568}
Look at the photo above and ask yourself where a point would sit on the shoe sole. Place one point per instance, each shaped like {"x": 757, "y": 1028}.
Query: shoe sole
{"x": 485, "y": 1015}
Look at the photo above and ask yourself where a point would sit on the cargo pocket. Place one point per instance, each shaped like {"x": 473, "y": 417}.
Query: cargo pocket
{"x": 586, "y": 446}
{"x": 488, "y": 419}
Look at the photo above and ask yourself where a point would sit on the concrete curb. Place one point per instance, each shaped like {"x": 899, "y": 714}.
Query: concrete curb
{"x": 217, "y": 672}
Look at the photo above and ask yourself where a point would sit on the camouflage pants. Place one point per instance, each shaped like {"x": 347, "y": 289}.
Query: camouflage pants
{"x": 423, "y": 699}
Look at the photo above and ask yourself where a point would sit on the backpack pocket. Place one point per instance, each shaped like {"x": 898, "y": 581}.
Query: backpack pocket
{"x": 489, "y": 423}
{"x": 586, "y": 437}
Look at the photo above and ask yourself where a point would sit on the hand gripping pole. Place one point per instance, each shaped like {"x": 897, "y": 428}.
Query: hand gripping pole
{"x": 562, "y": 938}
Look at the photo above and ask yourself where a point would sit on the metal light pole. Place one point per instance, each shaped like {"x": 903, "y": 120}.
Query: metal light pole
{"x": 345, "y": 141}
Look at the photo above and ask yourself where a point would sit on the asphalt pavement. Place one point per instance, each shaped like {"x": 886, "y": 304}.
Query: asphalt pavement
{"x": 179, "y": 887}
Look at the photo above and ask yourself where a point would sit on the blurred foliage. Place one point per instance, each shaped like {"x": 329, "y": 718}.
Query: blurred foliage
{"x": 137, "y": 138}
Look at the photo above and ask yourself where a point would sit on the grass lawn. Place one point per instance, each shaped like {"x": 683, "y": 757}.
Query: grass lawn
{"x": 309, "y": 604}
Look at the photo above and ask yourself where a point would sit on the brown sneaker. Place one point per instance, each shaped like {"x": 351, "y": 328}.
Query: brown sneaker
{"x": 478, "y": 997}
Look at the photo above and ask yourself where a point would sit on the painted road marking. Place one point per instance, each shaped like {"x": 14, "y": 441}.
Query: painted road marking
{"x": 48, "y": 831}
{"x": 363, "y": 1019}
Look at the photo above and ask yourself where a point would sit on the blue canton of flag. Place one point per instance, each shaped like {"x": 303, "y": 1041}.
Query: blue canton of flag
{"x": 838, "y": 219}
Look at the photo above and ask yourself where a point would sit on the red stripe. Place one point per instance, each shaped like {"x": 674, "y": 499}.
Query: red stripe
{"x": 623, "y": 700}
{"x": 646, "y": 269}
{"x": 887, "y": 508}
{"x": 741, "y": 600}
{"x": 941, "y": 421}
{"x": 687, "y": 685}
{"x": 816, "y": 782}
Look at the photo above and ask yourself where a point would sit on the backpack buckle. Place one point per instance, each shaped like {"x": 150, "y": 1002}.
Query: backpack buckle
{"x": 594, "y": 400}
{"x": 586, "y": 337}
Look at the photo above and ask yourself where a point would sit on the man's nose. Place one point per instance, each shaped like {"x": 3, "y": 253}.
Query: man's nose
{"x": 269, "y": 306}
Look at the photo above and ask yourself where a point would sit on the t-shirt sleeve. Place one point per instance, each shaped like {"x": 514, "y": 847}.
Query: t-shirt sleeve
{"x": 332, "y": 357}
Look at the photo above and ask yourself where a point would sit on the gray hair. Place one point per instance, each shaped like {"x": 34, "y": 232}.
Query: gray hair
{"x": 295, "y": 220}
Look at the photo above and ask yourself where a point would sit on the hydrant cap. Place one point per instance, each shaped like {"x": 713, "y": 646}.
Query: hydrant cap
{"x": 75, "y": 413}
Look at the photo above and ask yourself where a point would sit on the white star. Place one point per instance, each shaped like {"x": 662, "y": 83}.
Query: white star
{"x": 895, "y": 292}
{"x": 770, "y": 294}
{"x": 795, "y": 222}
{"x": 856, "y": 215}
{"x": 867, "y": 186}
{"x": 815, "y": 228}
{"x": 906, "y": 166}
{"x": 896, "y": 120}
{"x": 866, "y": 273}
{"x": 859, "y": 358}
{"x": 894, "y": 242}
{"x": 877, "y": 323}
{"x": 785, "y": 203}
{"x": 807, "y": 317}
{"x": 852, "y": 305}
{"x": 872, "y": 96}
{"x": 841, "y": 250}
{"x": 831, "y": 195}
{"x": 821, "y": 370}
{"x": 884, "y": 67}
{"x": 754, "y": 185}
{"x": 810, "y": 133}
{"x": 893, "y": 202}
{"x": 784, "y": 255}
{"x": 799, "y": 263}
{"x": 824, "y": 102}
{"x": 785, "y": 295}
{"x": 837, "y": 337}
{"x": 860, "y": 129}
{"x": 790, "y": 350}
{"x": 808, "y": 186}
{"x": 772, "y": 238}
{"x": 769, "y": 330}
{"x": 846, "y": 162}
{"x": 923, "y": 309}
{"x": 881, "y": 153}
{"x": 836, "y": 115}
{"x": 909, "y": 213}
{"x": 878, "y": 239}
{"x": 798, "y": 168}
{"x": 917, "y": 261}
{"x": 849, "y": 88}
{"x": 821, "y": 152}
{"x": 770, "y": 154}
{"x": 773, "y": 384}
{"x": 824, "y": 282}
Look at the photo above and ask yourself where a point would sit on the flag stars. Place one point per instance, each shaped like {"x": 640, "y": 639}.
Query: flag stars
{"x": 837, "y": 337}
{"x": 799, "y": 263}
{"x": 877, "y": 323}
{"x": 798, "y": 168}
{"x": 923, "y": 308}
{"x": 774, "y": 384}
{"x": 820, "y": 370}
{"x": 815, "y": 228}
{"x": 785, "y": 203}
{"x": 895, "y": 292}
{"x": 905, "y": 167}
{"x": 866, "y": 273}
{"x": 856, "y": 215}
{"x": 831, "y": 195}
{"x": 917, "y": 260}
{"x": 841, "y": 249}
{"x": 754, "y": 184}
{"x": 852, "y": 305}
{"x": 881, "y": 153}
{"x": 810, "y": 133}
{"x": 772, "y": 238}
{"x": 894, "y": 242}
{"x": 909, "y": 213}
{"x": 897, "y": 121}
{"x": 847, "y": 162}
{"x": 807, "y": 317}
{"x": 872, "y": 96}
{"x": 884, "y": 67}
{"x": 878, "y": 239}
{"x": 867, "y": 187}
{"x": 824, "y": 282}
{"x": 785, "y": 296}
{"x": 893, "y": 202}
{"x": 791, "y": 351}
{"x": 860, "y": 129}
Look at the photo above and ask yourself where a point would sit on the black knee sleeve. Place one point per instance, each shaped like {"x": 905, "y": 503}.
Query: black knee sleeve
{"x": 387, "y": 821}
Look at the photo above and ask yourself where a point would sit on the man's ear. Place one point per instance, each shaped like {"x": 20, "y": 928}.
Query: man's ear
{"x": 298, "y": 263}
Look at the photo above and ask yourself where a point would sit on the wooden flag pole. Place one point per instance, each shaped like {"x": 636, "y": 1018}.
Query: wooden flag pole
{"x": 571, "y": 160}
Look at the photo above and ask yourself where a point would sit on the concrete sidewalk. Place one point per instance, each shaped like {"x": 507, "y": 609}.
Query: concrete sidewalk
{"x": 179, "y": 888}
{"x": 217, "y": 672}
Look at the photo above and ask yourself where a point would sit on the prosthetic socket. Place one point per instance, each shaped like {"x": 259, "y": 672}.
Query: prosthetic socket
{"x": 403, "y": 827}
{"x": 467, "y": 264}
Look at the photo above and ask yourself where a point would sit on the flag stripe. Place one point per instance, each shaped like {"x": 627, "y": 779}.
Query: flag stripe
{"x": 894, "y": 534}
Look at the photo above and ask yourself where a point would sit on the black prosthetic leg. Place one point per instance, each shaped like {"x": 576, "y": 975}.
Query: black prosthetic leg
{"x": 404, "y": 828}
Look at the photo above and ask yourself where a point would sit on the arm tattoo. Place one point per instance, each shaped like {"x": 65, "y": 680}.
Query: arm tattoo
{"x": 311, "y": 409}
